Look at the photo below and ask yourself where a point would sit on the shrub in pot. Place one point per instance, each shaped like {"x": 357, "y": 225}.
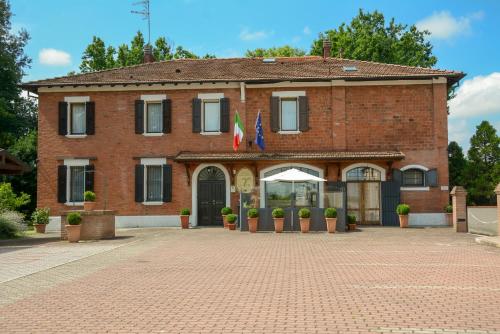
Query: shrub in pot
{"x": 73, "y": 227}
{"x": 40, "y": 219}
{"x": 279, "y": 219}
{"x": 351, "y": 222}
{"x": 305, "y": 219}
{"x": 231, "y": 221}
{"x": 448, "y": 210}
{"x": 88, "y": 200}
{"x": 253, "y": 219}
{"x": 225, "y": 211}
{"x": 184, "y": 214}
{"x": 403, "y": 210}
{"x": 331, "y": 219}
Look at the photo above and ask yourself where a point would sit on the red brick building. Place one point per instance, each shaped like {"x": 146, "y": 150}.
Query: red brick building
{"x": 154, "y": 138}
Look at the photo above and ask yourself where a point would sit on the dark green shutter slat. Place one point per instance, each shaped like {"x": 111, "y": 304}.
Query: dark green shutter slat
{"x": 397, "y": 175}
{"x": 167, "y": 115}
{"x": 224, "y": 114}
{"x": 61, "y": 183}
{"x": 63, "y": 118}
{"x": 431, "y": 178}
{"x": 196, "y": 115}
{"x": 139, "y": 116}
{"x": 303, "y": 113}
{"x": 275, "y": 110}
{"x": 90, "y": 117}
{"x": 139, "y": 183}
{"x": 89, "y": 177}
{"x": 167, "y": 183}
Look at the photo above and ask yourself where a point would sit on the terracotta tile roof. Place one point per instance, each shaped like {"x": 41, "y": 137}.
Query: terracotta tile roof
{"x": 248, "y": 70}
{"x": 243, "y": 156}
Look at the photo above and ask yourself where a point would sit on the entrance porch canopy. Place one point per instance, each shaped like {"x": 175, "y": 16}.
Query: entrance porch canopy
{"x": 10, "y": 165}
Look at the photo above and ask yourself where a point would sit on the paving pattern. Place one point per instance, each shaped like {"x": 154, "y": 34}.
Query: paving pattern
{"x": 380, "y": 280}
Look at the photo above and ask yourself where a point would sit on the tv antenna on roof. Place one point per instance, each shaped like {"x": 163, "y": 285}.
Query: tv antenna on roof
{"x": 145, "y": 13}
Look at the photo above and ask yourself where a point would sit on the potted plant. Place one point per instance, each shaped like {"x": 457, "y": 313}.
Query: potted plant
{"x": 88, "y": 200}
{"x": 253, "y": 219}
{"x": 331, "y": 219}
{"x": 448, "y": 210}
{"x": 403, "y": 210}
{"x": 351, "y": 222}
{"x": 305, "y": 219}
{"x": 279, "y": 219}
{"x": 73, "y": 226}
{"x": 40, "y": 218}
{"x": 225, "y": 211}
{"x": 231, "y": 221}
{"x": 184, "y": 214}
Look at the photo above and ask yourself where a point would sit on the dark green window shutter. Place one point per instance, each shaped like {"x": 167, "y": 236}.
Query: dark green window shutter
{"x": 61, "y": 183}
{"x": 391, "y": 193}
{"x": 431, "y": 178}
{"x": 397, "y": 175}
{"x": 90, "y": 117}
{"x": 167, "y": 115}
{"x": 275, "y": 113}
{"x": 196, "y": 115}
{"x": 139, "y": 116}
{"x": 224, "y": 114}
{"x": 63, "y": 118}
{"x": 167, "y": 183}
{"x": 139, "y": 183}
{"x": 89, "y": 177}
{"x": 303, "y": 114}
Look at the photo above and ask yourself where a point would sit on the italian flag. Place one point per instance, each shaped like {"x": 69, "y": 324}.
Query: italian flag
{"x": 238, "y": 132}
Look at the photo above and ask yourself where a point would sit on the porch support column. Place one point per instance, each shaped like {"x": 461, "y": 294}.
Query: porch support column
{"x": 459, "y": 195}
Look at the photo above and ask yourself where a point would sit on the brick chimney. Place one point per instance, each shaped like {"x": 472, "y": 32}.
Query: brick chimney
{"x": 148, "y": 54}
{"x": 327, "y": 48}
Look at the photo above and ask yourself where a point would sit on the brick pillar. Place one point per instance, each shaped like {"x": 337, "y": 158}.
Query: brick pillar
{"x": 459, "y": 195}
{"x": 497, "y": 191}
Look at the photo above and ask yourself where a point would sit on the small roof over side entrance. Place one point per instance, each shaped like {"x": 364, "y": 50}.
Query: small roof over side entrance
{"x": 10, "y": 165}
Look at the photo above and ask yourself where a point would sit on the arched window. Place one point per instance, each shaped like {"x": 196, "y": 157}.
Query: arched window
{"x": 413, "y": 177}
{"x": 363, "y": 174}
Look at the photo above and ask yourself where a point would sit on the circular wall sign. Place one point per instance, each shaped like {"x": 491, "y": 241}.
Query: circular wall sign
{"x": 245, "y": 180}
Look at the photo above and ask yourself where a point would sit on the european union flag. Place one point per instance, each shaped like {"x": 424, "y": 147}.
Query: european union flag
{"x": 259, "y": 132}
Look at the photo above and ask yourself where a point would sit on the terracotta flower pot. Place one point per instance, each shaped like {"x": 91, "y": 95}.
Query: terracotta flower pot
{"x": 231, "y": 226}
{"x": 88, "y": 206}
{"x": 40, "y": 228}
{"x": 331, "y": 224}
{"x": 252, "y": 224}
{"x": 224, "y": 220}
{"x": 304, "y": 225}
{"x": 278, "y": 224}
{"x": 351, "y": 227}
{"x": 449, "y": 219}
{"x": 403, "y": 221}
{"x": 184, "y": 221}
{"x": 73, "y": 232}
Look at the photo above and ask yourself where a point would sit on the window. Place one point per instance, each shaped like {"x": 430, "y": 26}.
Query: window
{"x": 154, "y": 117}
{"x": 76, "y": 183}
{"x": 413, "y": 178}
{"x": 289, "y": 114}
{"x": 211, "y": 115}
{"x": 363, "y": 174}
{"x": 153, "y": 183}
{"x": 74, "y": 177}
{"x": 77, "y": 119}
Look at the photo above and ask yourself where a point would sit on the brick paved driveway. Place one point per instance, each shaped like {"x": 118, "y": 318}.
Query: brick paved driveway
{"x": 381, "y": 280}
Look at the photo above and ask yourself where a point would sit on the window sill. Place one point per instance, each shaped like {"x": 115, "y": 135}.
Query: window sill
{"x": 215, "y": 133}
{"x": 153, "y": 134}
{"x": 289, "y": 132}
{"x": 73, "y": 203}
{"x": 76, "y": 136}
{"x": 152, "y": 203}
{"x": 415, "y": 188}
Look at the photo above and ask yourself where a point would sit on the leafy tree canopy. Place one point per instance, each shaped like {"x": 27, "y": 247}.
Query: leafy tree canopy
{"x": 282, "y": 51}
{"x": 456, "y": 164}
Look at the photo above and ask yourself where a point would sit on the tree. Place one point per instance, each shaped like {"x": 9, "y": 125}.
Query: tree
{"x": 94, "y": 56}
{"x": 282, "y": 51}
{"x": 162, "y": 50}
{"x": 456, "y": 165}
{"x": 181, "y": 53}
{"x": 368, "y": 37}
{"x": 483, "y": 169}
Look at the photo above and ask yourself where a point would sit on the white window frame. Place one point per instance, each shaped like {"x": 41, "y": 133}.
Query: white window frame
{"x": 152, "y": 162}
{"x": 209, "y": 97}
{"x": 73, "y": 163}
{"x": 157, "y": 98}
{"x": 289, "y": 95}
{"x": 75, "y": 100}
{"x": 416, "y": 188}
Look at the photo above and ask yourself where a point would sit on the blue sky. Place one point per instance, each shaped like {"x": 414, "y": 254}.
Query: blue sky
{"x": 465, "y": 35}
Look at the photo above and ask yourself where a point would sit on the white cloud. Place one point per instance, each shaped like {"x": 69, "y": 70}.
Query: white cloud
{"x": 307, "y": 30}
{"x": 247, "y": 35}
{"x": 459, "y": 131}
{"x": 53, "y": 57}
{"x": 477, "y": 97}
{"x": 443, "y": 25}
